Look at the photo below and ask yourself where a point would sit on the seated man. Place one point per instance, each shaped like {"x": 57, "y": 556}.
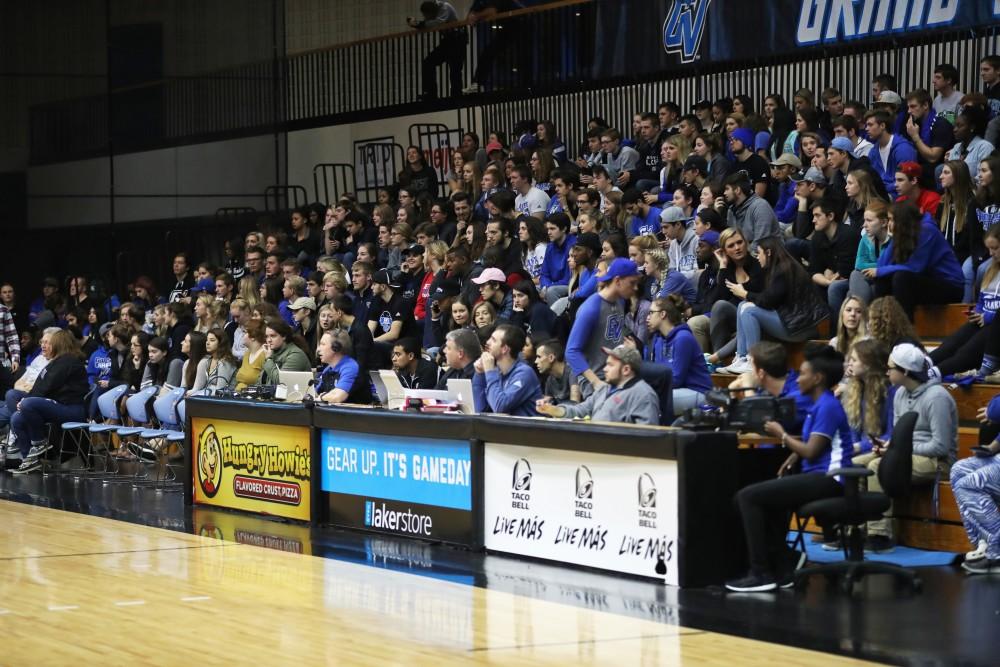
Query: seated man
{"x": 503, "y": 383}
{"x": 413, "y": 370}
{"x": 560, "y": 381}
{"x": 935, "y": 444}
{"x": 623, "y": 398}
{"x": 341, "y": 380}
{"x": 461, "y": 349}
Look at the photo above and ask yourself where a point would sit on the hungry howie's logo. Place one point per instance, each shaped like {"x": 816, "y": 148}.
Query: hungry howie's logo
{"x": 209, "y": 462}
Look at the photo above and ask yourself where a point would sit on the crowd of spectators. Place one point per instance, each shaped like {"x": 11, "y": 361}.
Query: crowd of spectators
{"x": 588, "y": 281}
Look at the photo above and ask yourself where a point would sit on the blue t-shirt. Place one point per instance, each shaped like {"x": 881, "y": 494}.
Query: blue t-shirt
{"x": 827, "y": 418}
{"x": 341, "y": 376}
{"x": 648, "y": 225}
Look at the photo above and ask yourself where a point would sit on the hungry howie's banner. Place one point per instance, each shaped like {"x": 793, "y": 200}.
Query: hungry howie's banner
{"x": 252, "y": 467}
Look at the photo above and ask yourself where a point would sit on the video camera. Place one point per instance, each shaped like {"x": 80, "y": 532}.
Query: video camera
{"x": 725, "y": 411}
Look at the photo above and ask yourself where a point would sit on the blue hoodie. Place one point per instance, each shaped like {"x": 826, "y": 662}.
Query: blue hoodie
{"x": 676, "y": 283}
{"x": 993, "y": 409}
{"x": 555, "y": 265}
{"x": 99, "y": 365}
{"x": 900, "y": 151}
{"x": 511, "y": 394}
{"x": 787, "y": 206}
{"x": 932, "y": 257}
{"x": 679, "y": 350}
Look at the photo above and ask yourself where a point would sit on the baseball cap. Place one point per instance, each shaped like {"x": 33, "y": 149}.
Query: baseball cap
{"x": 702, "y": 104}
{"x": 619, "y": 268}
{"x": 711, "y": 237}
{"x": 911, "y": 169}
{"x": 911, "y": 359}
{"x": 303, "y": 302}
{"x": 814, "y": 175}
{"x": 625, "y": 354}
{"x": 695, "y": 162}
{"x": 494, "y": 146}
{"x": 445, "y": 287}
{"x": 842, "y": 144}
{"x": 589, "y": 240}
{"x": 50, "y": 282}
{"x": 387, "y": 277}
{"x": 105, "y": 328}
{"x": 673, "y": 214}
{"x": 414, "y": 249}
{"x": 789, "y": 159}
{"x": 491, "y": 274}
{"x": 204, "y": 285}
{"x": 889, "y": 97}
{"x": 743, "y": 135}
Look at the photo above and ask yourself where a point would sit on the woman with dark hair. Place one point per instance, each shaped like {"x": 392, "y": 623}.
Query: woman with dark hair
{"x": 709, "y": 146}
{"x": 956, "y": 216}
{"x": 826, "y": 444}
{"x": 542, "y": 166}
{"x": 784, "y": 136}
{"x": 285, "y": 350}
{"x": 917, "y": 265}
{"x": 145, "y": 293}
{"x": 534, "y": 243}
{"x": 545, "y": 133}
{"x": 788, "y": 307}
{"x": 134, "y": 364}
{"x": 193, "y": 346}
{"x": 270, "y": 290}
{"x": 217, "y": 369}
{"x": 970, "y": 146}
{"x": 56, "y": 397}
{"x": 743, "y": 104}
{"x": 807, "y": 120}
{"x": 235, "y": 263}
{"x": 674, "y": 345}
{"x": 159, "y": 372}
{"x": 475, "y": 240}
{"x": 417, "y": 176}
{"x": 530, "y": 312}
{"x": 987, "y": 211}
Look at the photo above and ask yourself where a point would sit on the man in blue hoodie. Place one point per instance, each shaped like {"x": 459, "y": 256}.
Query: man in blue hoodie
{"x": 503, "y": 383}
{"x": 889, "y": 150}
{"x": 553, "y": 277}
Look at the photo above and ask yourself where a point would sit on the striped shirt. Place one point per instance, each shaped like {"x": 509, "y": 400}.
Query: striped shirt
{"x": 10, "y": 349}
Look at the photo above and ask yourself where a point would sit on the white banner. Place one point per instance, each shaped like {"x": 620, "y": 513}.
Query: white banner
{"x": 612, "y": 512}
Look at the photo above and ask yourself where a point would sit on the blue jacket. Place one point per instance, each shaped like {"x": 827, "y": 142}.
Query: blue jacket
{"x": 993, "y": 409}
{"x": 679, "y": 350}
{"x": 788, "y": 206}
{"x": 933, "y": 257}
{"x": 99, "y": 365}
{"x": 555, "y": 266}
{"x": 511, "y": 394}
{"x": 900, "y": 151}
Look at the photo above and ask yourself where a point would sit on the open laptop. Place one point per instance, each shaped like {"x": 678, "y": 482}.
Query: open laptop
{"x": 297, "y": 384}
{"x": 396, "y": 394}
{"x": 460, "y": 391}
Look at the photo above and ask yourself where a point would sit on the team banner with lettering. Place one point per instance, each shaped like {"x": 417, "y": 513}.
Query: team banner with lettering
{"x": 252, "y": 467}
{"x": 720, "y": 30}
{"x": 415, "y": 487}
{"x": 617, "y": 513}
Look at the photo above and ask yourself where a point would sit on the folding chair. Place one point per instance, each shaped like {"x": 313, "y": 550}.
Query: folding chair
{"x": 137, "y": 409}
{"x": 107, "y": 404}
{"x": 82, "y": 431}
{"x": 169, "y": 412}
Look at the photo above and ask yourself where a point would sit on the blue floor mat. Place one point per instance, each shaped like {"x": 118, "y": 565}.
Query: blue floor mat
{"x": 904, "y": 556}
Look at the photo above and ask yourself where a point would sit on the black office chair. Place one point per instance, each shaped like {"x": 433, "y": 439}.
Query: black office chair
{"x": 855, "y": 508}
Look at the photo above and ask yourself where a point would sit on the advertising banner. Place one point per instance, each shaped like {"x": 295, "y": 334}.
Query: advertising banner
{"x": 252, "y": 467}
{"x": 617, "y": 513}
{"x": 417, "y": 487}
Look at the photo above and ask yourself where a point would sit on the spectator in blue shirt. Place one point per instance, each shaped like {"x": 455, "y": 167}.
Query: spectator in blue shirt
{"x": 503, "y": 383}
{"x": 645, "y": 218}
{"x": 553, "y": 277}
{"x": 825, "y": 445}
{"x": 672, "y": 344}
{"x": 889, "y": 150}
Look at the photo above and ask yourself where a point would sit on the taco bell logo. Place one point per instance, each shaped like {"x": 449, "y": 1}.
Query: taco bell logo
{"x": 520, "y": 485}
{"x": 647, "y": 501}
{"x": 584, "y": 483}
{"x": 684, "y": 28}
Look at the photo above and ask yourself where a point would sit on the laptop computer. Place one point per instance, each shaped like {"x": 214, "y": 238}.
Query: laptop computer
{"x": 297, "y": 384}
{"x": 396, "y": 394}
{"x": 460, "y": 391}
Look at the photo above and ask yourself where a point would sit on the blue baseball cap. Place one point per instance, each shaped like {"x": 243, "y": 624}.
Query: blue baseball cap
{"x": 842, "y": 144}
{"x": 711, "y": 237}
{"x": 620, "y": 268}
{"x": 206, "y": 285}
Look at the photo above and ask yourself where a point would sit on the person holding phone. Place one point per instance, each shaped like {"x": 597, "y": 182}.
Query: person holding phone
{"x": 975, "y": 481}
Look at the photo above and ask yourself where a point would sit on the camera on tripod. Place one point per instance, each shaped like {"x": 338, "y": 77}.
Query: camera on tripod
{"x": 724, "y": 411}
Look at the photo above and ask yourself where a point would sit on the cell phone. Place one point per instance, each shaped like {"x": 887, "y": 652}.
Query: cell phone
{"x": 983, "y": 452}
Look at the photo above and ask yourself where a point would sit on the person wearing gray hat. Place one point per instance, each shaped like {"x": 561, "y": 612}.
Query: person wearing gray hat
{"x": 809, "y": 189}
{"x": 624, "y": 399}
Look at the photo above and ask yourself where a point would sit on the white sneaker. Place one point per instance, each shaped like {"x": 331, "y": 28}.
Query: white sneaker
{"x": 471, "y": 90}
{"x": 978, "y": 552}
{"x": 739, "y": 366}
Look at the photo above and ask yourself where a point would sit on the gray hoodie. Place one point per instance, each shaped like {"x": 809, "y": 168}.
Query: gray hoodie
{"x": 756, "y": 219}
{"x": 684, "y": 254}
{"x": 635, "y": 403}
{"x": 937, "y": 424}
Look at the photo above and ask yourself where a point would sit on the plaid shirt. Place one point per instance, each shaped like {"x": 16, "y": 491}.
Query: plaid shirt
{"x": 10, "y": 347}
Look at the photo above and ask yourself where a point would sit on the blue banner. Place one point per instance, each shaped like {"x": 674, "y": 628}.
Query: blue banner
{"x": 427, "y": 471}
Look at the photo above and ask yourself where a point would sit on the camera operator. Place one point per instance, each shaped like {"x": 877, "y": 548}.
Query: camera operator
{"x": 769, "y": 374}
{"x": 825, "y": 445}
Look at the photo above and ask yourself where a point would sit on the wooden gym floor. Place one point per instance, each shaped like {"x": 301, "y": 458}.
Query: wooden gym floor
{"x": 78, "y": 589}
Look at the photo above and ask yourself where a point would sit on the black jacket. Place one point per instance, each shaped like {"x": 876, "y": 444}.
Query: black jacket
{"x": 64, "y": 380}
{"x": 721, "y": 293}
{"x": 837, "y": 254}
{"x": 176, "y": 335}
{"x": 793, "y": 298}
{"x": 466, "y": 373}
{"x": 425, "y": 377}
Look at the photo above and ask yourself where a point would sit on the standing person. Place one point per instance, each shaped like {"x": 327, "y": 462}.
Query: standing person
{"x": 507, "y": 37}
{"x": 825, "y": 445}
{"x": 600, "y": 323}
{"x": 504, "y": 384}
{"x": 450, "y": 49}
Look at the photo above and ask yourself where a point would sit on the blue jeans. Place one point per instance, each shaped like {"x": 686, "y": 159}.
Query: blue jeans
{"x": 29, "y": 422}
{"x": 9, "y": 406}
{"x": 835, "y": 295}
{"x": 685, "y": 399}
{"x": 971, "y": 282}
{"x": 751, "y": 321}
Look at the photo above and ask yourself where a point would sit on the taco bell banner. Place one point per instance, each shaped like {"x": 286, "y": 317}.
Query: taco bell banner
{"x": 720, "y": 30}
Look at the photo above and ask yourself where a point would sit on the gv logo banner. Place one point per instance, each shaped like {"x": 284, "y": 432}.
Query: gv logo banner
{"x": 684, "y": 28}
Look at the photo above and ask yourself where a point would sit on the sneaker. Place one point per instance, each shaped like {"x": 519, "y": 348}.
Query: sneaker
{"x": 978, "y": 552}
{"x": 832, "y": 545}
{"x": 752, "y": 583}
{"x": 29, "y": 465}
{"x": 739, "y": 366}
{"x": 992, "y": 378}
{"x": 13, "y": 451}
{"x": 471, "y": 90}
{"x": 879, "y": 544}
{"x": 39, "y": 448}
{"x": 982, "y": 565}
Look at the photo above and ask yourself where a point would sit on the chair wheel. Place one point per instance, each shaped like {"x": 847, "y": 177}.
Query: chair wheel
{"x": 917, "y": 584}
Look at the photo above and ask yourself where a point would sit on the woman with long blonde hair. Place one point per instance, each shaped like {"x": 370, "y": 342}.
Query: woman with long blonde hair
{"x": 673, "y": 152}
{"x": 248, "y": 291}
{"x": 852, "y": 324}
{"x": 860, "y": 188}
{"x": 867, "y": 396}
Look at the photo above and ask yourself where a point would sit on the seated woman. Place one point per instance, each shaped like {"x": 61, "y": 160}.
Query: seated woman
{"x": 530, "y": 312}
{"x": 484, "y": 320}
{"x": 917, "y": 266}
{"x": 662, "y": 280}
{"x": 674, "y": 345}
{"x": 340, "y": 380}
{"x": 975, "y": 481}
{"x": 193, "y": 346}
{"x": 825, "y": 445}
{"x": 867, "y": 396}
{"x": 159, "y": 372}
{"x": 889, "y": 325}
{"x": 134, "y": 365}
{"x": 874, "y": 238}
{"x": 285, "y": 351}
{"x": 852, "y": 324}
{"x": 788, "y": 308}
{"x": 736, "y": 266}
{"x": 57, "y": 396}
{"x": 217, "y": 369}
{"x": 965, "y": 350}
{"x": 956, "y": 217}
{"x": 253, "y": 361}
